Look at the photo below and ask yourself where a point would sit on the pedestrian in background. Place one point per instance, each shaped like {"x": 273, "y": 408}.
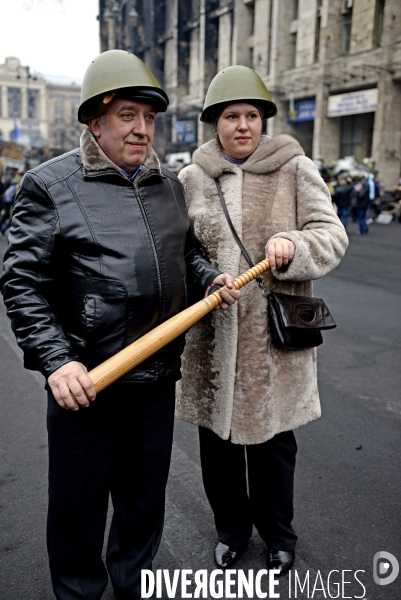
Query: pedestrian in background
{"x": 7, "y": 204}
{"x": 245, "y": 394}
{"x": 374, "y": 197}
{"x": 360, "y": 199}
{"x": 10, "y": 174}
{"x": 342, "y": 199}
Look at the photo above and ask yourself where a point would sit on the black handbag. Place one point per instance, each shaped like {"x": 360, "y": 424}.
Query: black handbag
{"x": 295, "y": 322}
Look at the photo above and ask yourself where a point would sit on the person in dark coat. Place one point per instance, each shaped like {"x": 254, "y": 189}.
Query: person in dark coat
{"x": 342, "y": 199}
{"x": 101, "y": 251}
{"x": 360, "y": 198}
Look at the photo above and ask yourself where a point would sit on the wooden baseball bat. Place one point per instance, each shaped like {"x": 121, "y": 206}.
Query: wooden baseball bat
{"x": 131, "y": 356}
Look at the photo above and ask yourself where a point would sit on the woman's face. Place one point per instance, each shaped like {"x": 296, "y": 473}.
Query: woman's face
{"x": 239, "y": 129}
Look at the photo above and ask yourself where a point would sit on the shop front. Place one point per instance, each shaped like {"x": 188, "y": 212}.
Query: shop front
{"x": 355, "y": 112}
{"x": 301, "y": 115}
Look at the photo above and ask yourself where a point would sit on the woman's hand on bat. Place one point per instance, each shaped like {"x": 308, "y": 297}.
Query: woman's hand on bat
{"x": 227, "y": 292}
{"x": 280, "y": 252}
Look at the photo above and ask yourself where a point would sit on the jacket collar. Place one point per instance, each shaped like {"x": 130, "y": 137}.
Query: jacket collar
{"x": 270, "y": 155}
{"x": 95, "y": 160}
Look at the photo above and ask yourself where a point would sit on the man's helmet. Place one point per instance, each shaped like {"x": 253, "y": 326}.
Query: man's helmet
{"x": 236, "y": 84}
{"x": 118, "y": 73}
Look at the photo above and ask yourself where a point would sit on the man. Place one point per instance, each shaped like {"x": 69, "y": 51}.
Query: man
{"x": 360, "y": 199}
{"x": 342, "y": 198}
{"x": 102, "y": 251}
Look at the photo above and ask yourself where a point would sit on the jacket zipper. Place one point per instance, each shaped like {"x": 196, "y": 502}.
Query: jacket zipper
{"x": 143, "y": 211}
{"x": 159, "y": 279}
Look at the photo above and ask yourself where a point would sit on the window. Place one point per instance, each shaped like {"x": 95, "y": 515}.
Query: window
{"x": 250, "y": 58}
{"x": 183, "y": 45}
{"x": 379, "y": 17}
{"x": 74, "y": 108}
{"x": 212, "y": 37}
{"x": 293, "y": 50}
{"x": 346, "y": 32}
{"x": 295, "y": 9}
{"x": 58, "y": 114}
{"x": 59, "y": 138}
{"x": 270, "y": 34}
{"x": 251, "y": 9}
{"x": 33, "y": 103}
{"x": 14, "y": 102}
{"x": 317, "y": 30}
{"x": 356, "y": 135}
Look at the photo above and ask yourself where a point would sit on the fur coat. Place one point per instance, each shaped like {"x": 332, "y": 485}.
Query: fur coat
{"x": 235, "y": 381}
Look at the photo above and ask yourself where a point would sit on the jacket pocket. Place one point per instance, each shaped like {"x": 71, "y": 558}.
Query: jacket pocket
{"x": 104, "y": 318}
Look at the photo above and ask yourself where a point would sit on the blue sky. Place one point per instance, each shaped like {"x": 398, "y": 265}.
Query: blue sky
{"x": 53, "y": 37}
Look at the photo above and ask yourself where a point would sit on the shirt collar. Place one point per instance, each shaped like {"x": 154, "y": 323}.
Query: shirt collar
{"x": 234, "y": 161}
{"x": 133, "y": 175}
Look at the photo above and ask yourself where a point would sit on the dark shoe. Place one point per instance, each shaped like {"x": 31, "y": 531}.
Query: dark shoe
{"x": 225, "y": 556}
{"x": 281, "y": 560}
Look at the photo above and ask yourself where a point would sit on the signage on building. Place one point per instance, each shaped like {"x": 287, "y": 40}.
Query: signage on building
{"x": 352, "y": 103}
{"x": 304, "y": 110}
{"x": 186, "y": 131}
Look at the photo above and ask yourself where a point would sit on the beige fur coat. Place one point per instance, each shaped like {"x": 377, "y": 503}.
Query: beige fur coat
{"x": 234, "y": 381}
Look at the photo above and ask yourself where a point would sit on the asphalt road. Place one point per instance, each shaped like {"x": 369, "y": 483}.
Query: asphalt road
{"x": 348, "y": 479}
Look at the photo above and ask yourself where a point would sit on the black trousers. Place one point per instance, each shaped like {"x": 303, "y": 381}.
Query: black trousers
{"x": 121, "y": 445}
{"x": 250, "y": 485}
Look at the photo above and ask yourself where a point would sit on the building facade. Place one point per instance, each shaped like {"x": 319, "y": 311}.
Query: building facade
{"x": 332, "y": 66}
{"x": 23, "y": 110}
{"x": 36, "y": 113}
{"x": 64, "y": 129}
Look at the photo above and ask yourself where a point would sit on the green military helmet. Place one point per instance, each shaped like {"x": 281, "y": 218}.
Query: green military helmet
{"x": 122, "y": 74}
{"x": 236, "y": 84}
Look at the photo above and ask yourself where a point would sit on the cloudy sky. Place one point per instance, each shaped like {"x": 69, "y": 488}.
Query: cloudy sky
{"x": 53, "y": 37}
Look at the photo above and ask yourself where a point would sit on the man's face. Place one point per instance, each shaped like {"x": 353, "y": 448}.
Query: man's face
{"x": 125, "y": 132}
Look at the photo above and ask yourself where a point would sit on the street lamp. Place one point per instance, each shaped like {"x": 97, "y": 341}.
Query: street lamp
{"x": 133, "y": 16}
{"x": 116, "y": 9}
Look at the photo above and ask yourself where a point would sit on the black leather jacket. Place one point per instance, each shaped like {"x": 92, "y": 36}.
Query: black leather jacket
{"x": 95, "y": 261}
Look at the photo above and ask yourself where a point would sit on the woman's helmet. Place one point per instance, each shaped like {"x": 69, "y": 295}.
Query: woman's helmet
{"x": 236, "y": 84}
{"x": 122, "y": 74}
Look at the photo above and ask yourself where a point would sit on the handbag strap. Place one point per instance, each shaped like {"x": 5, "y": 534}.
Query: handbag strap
{"x": 237, "y": 238}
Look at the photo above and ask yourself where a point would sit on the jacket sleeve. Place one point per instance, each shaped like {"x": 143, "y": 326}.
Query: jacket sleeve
{"x": 200, "y": 273}
{"x": 28, "y": 280}
{"x": 320, "y": 239}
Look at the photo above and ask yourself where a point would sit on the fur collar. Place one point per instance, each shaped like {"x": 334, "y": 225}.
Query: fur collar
{"x": 94, "y": 159}
{"x": 270, "y": 155}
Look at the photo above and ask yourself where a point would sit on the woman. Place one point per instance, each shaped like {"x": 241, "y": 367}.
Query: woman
{"x": 245, "y": 394}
